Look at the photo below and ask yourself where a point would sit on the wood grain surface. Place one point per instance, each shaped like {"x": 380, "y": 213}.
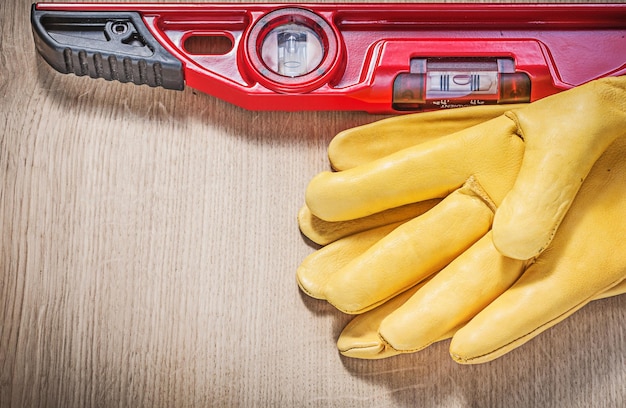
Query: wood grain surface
{"x": 148, "y": 253}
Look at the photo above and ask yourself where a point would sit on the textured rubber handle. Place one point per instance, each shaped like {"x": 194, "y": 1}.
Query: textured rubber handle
{"x": 110, "y": 45}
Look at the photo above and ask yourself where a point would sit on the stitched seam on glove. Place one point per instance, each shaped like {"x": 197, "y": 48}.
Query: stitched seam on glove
{"x": 518, "y": 127}
{"x": 375, "y": 305}
{"x": 387, "y": 344}
{"x": 474, "y": 186}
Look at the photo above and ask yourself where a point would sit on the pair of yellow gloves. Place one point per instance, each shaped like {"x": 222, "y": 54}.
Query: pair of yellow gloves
{"x": 485, "y": 224}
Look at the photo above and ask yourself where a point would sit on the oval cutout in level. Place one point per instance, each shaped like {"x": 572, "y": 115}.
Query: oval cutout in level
{"x": 208, "y": 44}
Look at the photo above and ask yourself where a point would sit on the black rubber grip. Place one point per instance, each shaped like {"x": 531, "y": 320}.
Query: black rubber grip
{"x": 110, "y": 45}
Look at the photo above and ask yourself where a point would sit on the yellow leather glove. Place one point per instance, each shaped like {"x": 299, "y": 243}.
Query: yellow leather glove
{"x": 544, "y": 149}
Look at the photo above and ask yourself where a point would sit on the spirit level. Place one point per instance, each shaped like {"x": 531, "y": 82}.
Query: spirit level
{"x": 383, "y": 58}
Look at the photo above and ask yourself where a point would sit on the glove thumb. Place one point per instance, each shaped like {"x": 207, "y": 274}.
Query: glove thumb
{"x": 564, "y": 135}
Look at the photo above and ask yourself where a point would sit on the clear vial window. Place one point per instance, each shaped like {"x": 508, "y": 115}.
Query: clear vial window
{"x": 292, "y": 50}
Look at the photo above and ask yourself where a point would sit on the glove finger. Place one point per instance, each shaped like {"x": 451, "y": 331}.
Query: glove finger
{"x": 323, "y": 232}
{"x": 360, "y": 339}
{"x": 411, "y": 252}
{"x": 451, "y": 298}
{"x": 559, "y": 154}
{"x": 426, "y": 171}
{"x": 364, "y": 144}
{"x": 583, "y": 263}
{"x": 530, "y": 307}
{"x": 315, "y": 270}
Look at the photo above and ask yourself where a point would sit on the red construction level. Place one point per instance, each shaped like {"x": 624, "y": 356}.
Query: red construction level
{"x": 383, "y": 58}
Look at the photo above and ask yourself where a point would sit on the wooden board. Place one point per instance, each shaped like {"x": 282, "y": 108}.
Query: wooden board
{"x": 148, "y": 254}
